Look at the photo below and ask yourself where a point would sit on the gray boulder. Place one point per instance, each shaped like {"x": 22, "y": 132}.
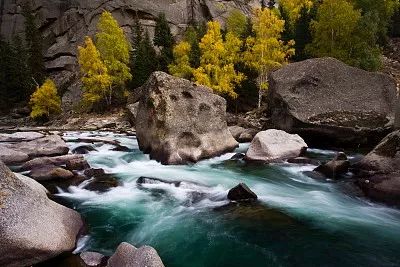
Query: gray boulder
{"x": 336, "y": 167}
{"x": 127, "y": 255}
{"x": 20, "y": 136}
{"x": 93, "y": 259}
{"x": 65, "y": 160}
{"x": 379, "y": 171}
{"x": 242, "y": 135}
{"x": 275, "y": 146}
{"x": 330, "y": 103}
{"x": 50, "y": 172}
{"x": 10, "y": 156}
{"x": 52, "y": 145}
{"x": 179, "y": 122}
{"x": 32, "y": 227}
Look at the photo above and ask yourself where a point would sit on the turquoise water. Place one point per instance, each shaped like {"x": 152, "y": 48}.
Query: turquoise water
{"x": 297, "y": 221}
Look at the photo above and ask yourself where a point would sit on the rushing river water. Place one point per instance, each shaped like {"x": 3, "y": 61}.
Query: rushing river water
{"x": 297, "y": 221}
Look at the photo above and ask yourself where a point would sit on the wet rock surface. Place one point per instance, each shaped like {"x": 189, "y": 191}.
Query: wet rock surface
{"x": 127, "y": 255}
{"x": 304, "y": 98}
{"x": 241, "y": 192}
{"x": 336, "y": 167}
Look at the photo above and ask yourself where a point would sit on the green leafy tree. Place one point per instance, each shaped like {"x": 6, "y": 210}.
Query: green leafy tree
{"x": 33, "y": 40}
{"x": 382, "y": 11}
{"x": 165, "y": 41}
{"x": 45, "y": 101}
{"x": 266, "y": 52}
{"x": 236, "y": 23}
{"x": 341, "y": 31}
{"x": 114, "y": 50}
{"x": 95, "y": 78}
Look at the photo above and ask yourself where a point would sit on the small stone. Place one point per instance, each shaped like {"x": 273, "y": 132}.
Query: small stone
{"x": 241, "y": 192}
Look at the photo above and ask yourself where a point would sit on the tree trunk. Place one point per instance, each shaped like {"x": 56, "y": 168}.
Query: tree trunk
{"x": 260, "y": 95}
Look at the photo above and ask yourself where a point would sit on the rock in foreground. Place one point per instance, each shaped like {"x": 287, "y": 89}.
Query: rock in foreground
{"x": 332, "y": 104}
{"x": 179, "y": 122}
{"x": 32, "y": 227}
{"x": 274, "y": 146}
{"x": 241, "y": 192}
{"x": 127, "y": 255}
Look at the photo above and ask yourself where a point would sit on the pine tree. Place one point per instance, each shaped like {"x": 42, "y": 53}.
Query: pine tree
{"x": 165, "y": 41}
{"x": 114, "y": 50}
{"x": 45, "y": 101}
{"x": 33, "y": 39}
{"x": 302, "y": 33}
{"x": 95, "y": 78}
{"x": 266, "y": 52}
{"x": 217, "y": 63}
{"x": 143, "y": 61}
{"x": 193, "y": 36}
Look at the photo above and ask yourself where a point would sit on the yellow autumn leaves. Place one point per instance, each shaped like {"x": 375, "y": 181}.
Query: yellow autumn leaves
{"x": 262, "y": 52}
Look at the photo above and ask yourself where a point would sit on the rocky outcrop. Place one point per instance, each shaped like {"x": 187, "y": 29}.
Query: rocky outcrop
{"x": 179, "y": 122}
{"x": 242, "y": 135}
{"x": 127, "y": 255}
{"x": 329, "y": 103}
{"x": 32, "y": 227}
{"x": 64, "y": 24}
{"x": 20, "y": 136}
{"x": 275, "y": 146}
{"x": 379, "y": 171}
{"x": 336, "y": 167}
{"x": 241, "y": 192}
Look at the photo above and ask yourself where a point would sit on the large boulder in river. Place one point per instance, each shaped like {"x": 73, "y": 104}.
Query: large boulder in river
{"x": 127, "y": 255}
{"x": 330, "y": 103}
{"x": 179, "y": 122}
{"x": 32, "y": 227}
{"x": 379, "y": 171}
{"x": 274, "y": 146}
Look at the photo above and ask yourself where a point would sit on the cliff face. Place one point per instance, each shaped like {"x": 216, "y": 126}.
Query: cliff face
{"x": 65, "y": 23}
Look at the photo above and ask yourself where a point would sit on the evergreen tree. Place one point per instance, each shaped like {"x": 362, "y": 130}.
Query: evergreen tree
{"x": 45, "y": 101}
{"x": 143, "y": 60}
{"x": 193, "y": 36}
{"x": 33, "y": 40}
{"x": 165, "y": 41}
{"x": 302, "y": 33}
{"x": 287, "y": 33}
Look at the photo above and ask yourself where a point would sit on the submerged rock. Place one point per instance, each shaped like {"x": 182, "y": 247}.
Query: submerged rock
{"x": 84, "y": 149}
{"x": 33, "y": 228}
{"x": 330, "y": 103}
{"x": 336, "y": 167}
{"x": 274, "y": 146}
{"x": 127, "y": 255}
{"x": 181, "y": 122}
{"x": 93, "y": 259}
{"x": 241, "y": 192}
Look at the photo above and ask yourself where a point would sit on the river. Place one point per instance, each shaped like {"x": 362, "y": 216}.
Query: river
{"x": 297, "y": 221}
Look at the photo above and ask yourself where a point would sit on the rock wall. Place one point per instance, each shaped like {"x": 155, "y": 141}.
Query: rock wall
{"x": 65, "y": 23}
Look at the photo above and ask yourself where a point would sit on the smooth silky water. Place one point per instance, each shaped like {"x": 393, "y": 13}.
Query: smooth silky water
{"x": 296, "y": 222}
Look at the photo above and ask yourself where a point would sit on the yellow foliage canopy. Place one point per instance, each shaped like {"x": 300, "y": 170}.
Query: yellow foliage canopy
{"x": 217, "y": 61}
{"x": 95, "y": 78}
{"x": 181, "y": 65}
{"x": 293, "y": 7}
{"x": 114, "y": 48}
{"x": 45, "y": 101}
